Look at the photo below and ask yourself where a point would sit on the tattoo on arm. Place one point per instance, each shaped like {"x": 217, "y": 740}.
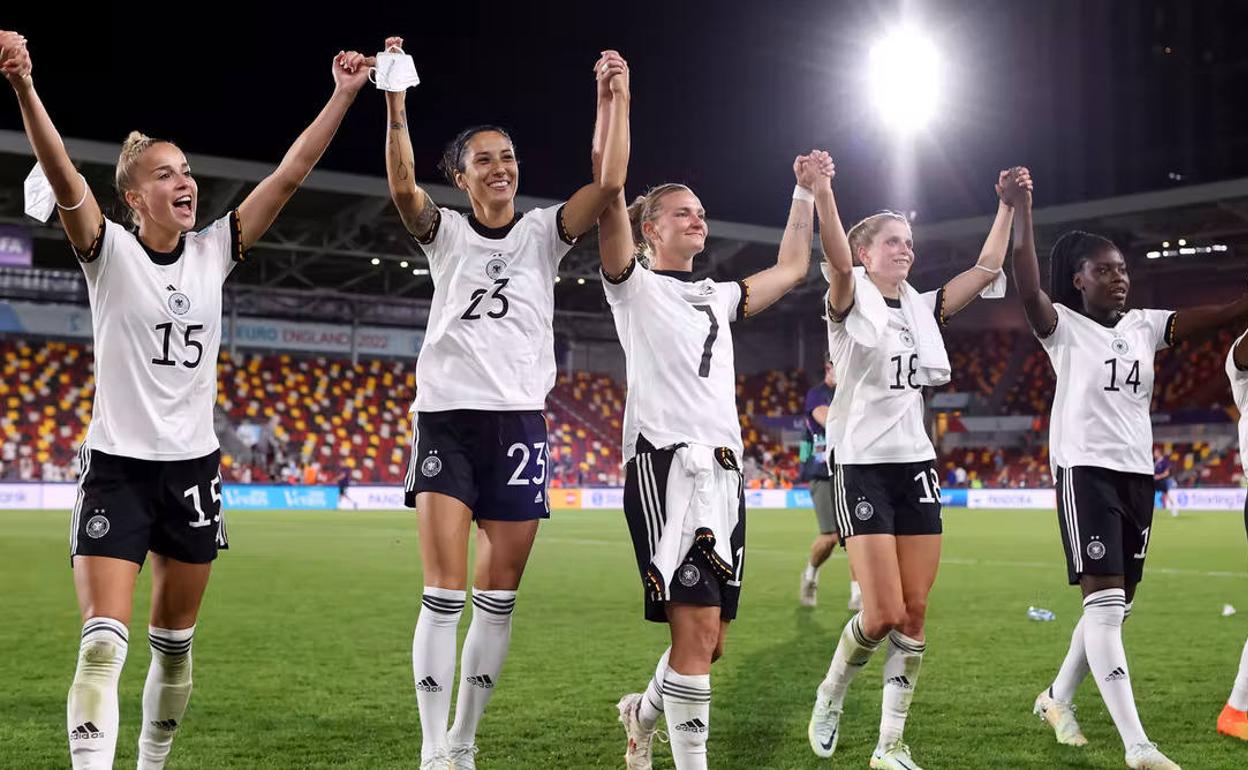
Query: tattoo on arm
{"x": 799, "y": 225}
{"x": 424, "y": 220}
{"x": 401, "y": 172}
{"x": 401, "y": 123}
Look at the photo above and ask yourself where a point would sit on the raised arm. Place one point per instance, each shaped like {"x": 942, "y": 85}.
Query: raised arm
{"x": 793, "y": 260}
{"x": 1037, "y": 306}
{"x": 610, "y": 148}
{"x": 964, "y": 287}
{"x": 416, "y": 208}
{"x": 80, "y": 213}
{"x": 1195, "y": 321}
{"x": 836, "y": 253}
{"x": 258, "y": 210}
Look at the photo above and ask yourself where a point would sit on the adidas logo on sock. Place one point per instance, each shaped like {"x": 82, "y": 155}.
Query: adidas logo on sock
{"x": 428, "y": 684}
{"x": 483, "y": 681}
{"x": 694, "y": 725}
{"x": 168, "y": 725}
{"x": 901, "y": 681}
{"x": 85, "y": 731}
{"x": 1116, "y": 674}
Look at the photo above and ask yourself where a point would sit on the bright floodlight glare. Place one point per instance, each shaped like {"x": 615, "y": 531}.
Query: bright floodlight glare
{"x": 376, "y": 261}
{"x": 905, "y": 80}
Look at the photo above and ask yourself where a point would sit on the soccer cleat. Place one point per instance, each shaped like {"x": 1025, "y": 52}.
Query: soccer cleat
{"x": 896, "y": 756}
{"x": 808, "y": 594}
{"x": 1062, "y": 718}
{"x": 463, "y": 757}
{"x": 1233, "y": 723}
{"x": 637, "y": 755}
{"x": 824, "y": 728}
{"x": 440, "y": 760}
{"x": 1146, "y": 756}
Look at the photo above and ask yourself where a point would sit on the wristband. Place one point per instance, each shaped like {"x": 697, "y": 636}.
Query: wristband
{"x": 802, "y": 194}
{"x": 85, "y": 189}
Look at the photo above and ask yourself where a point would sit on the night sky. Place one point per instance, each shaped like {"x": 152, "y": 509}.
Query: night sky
{"x": 724, "y": 94}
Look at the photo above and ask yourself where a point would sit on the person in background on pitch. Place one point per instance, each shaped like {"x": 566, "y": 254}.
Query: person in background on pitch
{"x": 1100, "y": 439}
{"x": 1233, "y": 720}
{"x": 816, "y": 469}
{"x": 151, "y": 480}
{"x": 884, "y": 339}
{"x": 486, "y": 365}
{"x": 1163, "y": 480}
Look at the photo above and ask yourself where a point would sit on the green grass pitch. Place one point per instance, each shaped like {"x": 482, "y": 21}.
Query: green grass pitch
{"x": 302, "y": 653}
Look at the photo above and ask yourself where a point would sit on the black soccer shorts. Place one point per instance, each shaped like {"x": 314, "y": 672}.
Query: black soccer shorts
{"x": 1105, "y": 517}
{"x": 887, "y": 499}
{"x": 127, "y": 507}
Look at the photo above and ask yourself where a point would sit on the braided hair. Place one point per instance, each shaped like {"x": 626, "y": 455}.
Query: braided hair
{"x": 453, "y": 156}
{"x": 1066, "y": 259}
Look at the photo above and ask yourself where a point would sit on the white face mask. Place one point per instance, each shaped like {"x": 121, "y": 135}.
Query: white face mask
{"x": 395, "y": 71}
{"x": 40, "y": 202}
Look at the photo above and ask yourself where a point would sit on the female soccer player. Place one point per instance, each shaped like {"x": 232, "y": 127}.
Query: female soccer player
{"x": 683, "y": 495}
{"x": 1233, "y": 720}
{"x": 150, "y": 477}
{"x": 1100, "y": 441}
{"x": 487, "y": 362}
{"x": 885, "y": 341}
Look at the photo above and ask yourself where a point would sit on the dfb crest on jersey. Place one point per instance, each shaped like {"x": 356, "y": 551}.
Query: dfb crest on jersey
{"x": 907, "y": 338}
{"x": 179, "y": 303}
{"x": 864, "y": 510}
{"x": 97, "y": 526}
{"x": 1096, "y": 550}
{"x": 431, "y": 466}
{"x": 1120, "y": 346}
{"x": 495, "y": 267}
{"x": 688, "y": 575}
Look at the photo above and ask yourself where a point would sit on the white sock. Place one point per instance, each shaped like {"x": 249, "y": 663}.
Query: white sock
{"x": 91, "y": 711}
{"x": 687, "y": 705}
{"x": 1075, "y": 667}
{"x": 485, "y": 650}
{"x": 652, "y": 699}
{"x": 433, "y": 663}
{"x": 853, "y": 651}
{"x": 1239, "y": 695}
{"x": 811, "y": 573}
{"x": 901, "y": 673}
{"x": 1103, "y": 613}
{"x": 165, "y": 693}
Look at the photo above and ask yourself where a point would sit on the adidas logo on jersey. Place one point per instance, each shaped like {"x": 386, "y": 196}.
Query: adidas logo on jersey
{"x": 901, "y": 681}
{"x": 483, "y": 681}
{"x": 168, "y": 725}
{"x": 85, "y": 731}
{"x": 694, "y": 725}
{"x": 428, "y": 684}
{"x": 1117, "y": 674}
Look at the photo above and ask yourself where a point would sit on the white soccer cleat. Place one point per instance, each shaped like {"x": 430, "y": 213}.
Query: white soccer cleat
{"x": 440, "y": 760}
{"x": 1146, "y": 756}
{"x": 896, "y": 756}
{"x": 637, "y": 755}
{"x": 808, "y": 594}
{"x": 824, "y": 728}
{"x": 463, "y": 757}
{"x": 1062, "y": 718}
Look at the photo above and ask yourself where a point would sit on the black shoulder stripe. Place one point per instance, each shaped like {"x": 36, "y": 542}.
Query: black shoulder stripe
{"x": 836, "y": 317}
{"x": 93, "y": 252}
{"x": 743, "y": 307}
{"x": 1169, "y": 333}
{"x": 236, "y": 237}
{"x": 433, "y": 229}
{"x": 941, "y": 318}
{"x": 622, "y": 277}
{"x": 563, "y": 231}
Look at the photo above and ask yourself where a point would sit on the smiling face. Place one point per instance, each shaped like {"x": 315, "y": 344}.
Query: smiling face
{"x": 161, "y": 190}
{"x": 678, "y": 229}
{"x": 1102, "y": 279}
{"x": 488, "y": 170}
{"x": 890, "y": 253}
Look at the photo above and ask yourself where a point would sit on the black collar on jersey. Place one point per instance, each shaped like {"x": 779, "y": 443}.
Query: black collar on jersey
{"x": 894, "y": 303}
{"x": 493, "y": 233}
{"x": 162, "y": 257}
{"x": 680, "y": 275}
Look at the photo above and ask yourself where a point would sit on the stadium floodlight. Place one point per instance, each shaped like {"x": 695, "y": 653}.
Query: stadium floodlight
{"x": 580, "y": 281}
{"x": 1165, "y": 244}
{"x": 376, "y": 261}
{"x": 1182, "y": 241}
{"x": 403, "y": 264}
{"x": 905, "y": 80}
{"x": 558, "y": 278}
{"x": 1153, "y": 255}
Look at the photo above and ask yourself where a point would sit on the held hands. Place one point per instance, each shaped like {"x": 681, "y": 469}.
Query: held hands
{"x": 814, "y": 171}
{"x": 14, "y": 59}
{"x": 351, "y": 71}
{"x": 611, "y": 72}
{"x": 1014, "y": 186}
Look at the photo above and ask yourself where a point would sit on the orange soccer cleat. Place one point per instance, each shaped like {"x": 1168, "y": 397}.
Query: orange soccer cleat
{"x": 1233, "y": 722}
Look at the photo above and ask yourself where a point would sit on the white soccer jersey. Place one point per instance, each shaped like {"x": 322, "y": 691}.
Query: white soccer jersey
{"x": 488, "y": 343}
{"x": 677, "y": 343}
{"x": 878, "y": 402}
{"x": 1239, "y": 389}
{"x": 1104, "y": 388}
{"x": 157, "y": 325}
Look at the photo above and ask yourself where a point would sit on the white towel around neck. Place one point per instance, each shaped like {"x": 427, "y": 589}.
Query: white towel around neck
{"x": 869, "y": 317}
